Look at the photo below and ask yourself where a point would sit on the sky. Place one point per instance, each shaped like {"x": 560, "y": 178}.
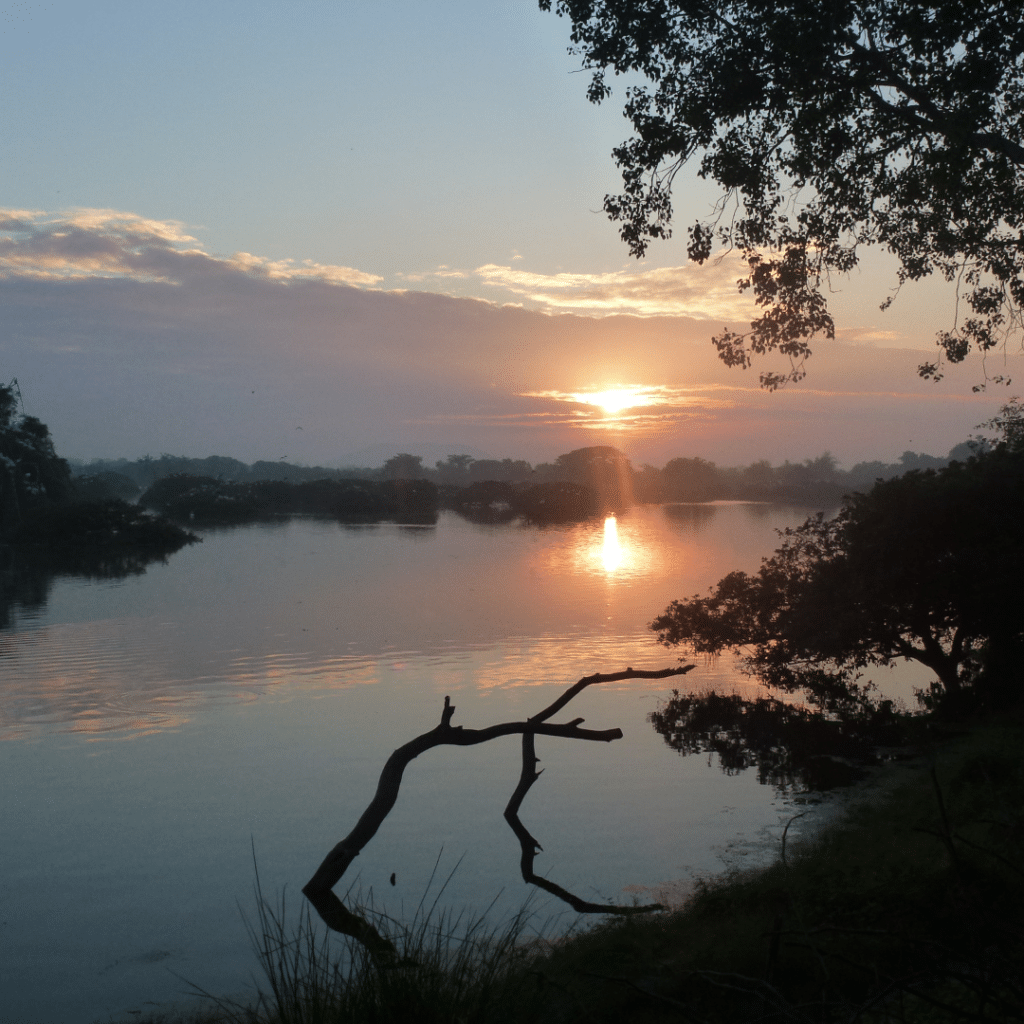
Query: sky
{"x": 302, "y": 230}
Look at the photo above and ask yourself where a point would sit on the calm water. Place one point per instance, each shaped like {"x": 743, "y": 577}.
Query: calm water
{"x": 248, "y": 692}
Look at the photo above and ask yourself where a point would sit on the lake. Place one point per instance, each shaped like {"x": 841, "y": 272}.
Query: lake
{"x": 245, "y": 695}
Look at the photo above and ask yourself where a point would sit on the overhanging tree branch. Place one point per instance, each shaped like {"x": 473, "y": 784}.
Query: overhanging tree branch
{"x": 905, "y": 122}
{"x": 319, "y": 889}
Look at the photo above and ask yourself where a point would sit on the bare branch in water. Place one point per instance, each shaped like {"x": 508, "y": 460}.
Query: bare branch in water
{"x": 319, "y": 889}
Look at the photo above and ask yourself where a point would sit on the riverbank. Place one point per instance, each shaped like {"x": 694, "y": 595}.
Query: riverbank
{"x": 906, "y": 906}
{"x": 903, "y": 905}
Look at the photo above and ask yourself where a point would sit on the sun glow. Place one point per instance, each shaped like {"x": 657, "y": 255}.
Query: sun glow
{"x": 615, "y": 400}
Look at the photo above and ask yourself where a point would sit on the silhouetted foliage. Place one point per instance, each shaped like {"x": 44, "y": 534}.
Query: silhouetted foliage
{"x": 1008, "y": 424}
{"x": 403, "y": 467}
{"x": 792, "y": 747}
{"x": 462, "y": 470}
{"x": 182, "y": 496}
{"x": 411, "y": 500}
{"x": 32, "y": 475}
{"x": 216, "y": 502}
{"x": 506, "y": 470}
{"x": 111, "y": 524}
{"x": 50, "y": 525}
{"x": 603, "y": 469}
{"x": 691, "y": 480}
{"x": 489, "y": 501}
{"x": 454, "y": 469}
{"x": 558, "y": 503}
{"x": 926, "y": 567}
{"x": 828, "y": 126}
{"x": 816, "y": 481}
{"x": 103, "y": 486}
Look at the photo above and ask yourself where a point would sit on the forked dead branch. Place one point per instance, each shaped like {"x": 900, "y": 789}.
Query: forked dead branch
{"x": 319, "y": 889}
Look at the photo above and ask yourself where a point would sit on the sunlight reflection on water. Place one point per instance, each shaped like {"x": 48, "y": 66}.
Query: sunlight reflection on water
{"x": 612, "y": 553}
{"x": 618, "y": 550}
{"x": 308, "y": 607}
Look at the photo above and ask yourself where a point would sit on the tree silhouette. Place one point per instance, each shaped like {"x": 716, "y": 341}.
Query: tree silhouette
{"x": 32, "y": 474}
{"x": 925, "y": 567}
{"x": 829, "y": 125}
{"x": 602, "y": 468}
{"x": 403, "y": 467}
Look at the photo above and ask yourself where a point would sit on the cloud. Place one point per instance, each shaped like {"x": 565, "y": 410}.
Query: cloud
{"x": 643, "y": 394}
{"x": 649, "y": 424}
{"x": 306, "y": 270}
{"x": 128, "y": 337}
{"x": 93, "y": 243}
{"x": 442, "y": 273}
{"x": 650, "y": 408}
{"x": 705, "y": 292}
{"x": 868, "y": 335}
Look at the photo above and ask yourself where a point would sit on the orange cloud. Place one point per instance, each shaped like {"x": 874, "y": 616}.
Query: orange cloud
{"x": 703, "y": 292}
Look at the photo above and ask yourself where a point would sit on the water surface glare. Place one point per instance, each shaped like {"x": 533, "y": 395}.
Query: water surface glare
{"x": 250, "y": 689}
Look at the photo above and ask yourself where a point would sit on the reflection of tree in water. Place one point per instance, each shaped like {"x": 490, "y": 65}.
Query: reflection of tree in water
{"x": 792, "y": 747}
{"x": 27, "y": 576}
{"x": 925, "y": 567}
{"x": 22, "y": 586}
{"x": 49, "y": 527}
{"x": 106, "y": 540}
{"x": 693, "y": 516}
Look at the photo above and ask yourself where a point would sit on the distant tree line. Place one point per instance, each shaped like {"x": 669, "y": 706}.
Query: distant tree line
{"x": 603, "y": 469}
{"x": 582, "y": 483}
{"x": 205, "y": 500}
{"x": 813, "y": 481}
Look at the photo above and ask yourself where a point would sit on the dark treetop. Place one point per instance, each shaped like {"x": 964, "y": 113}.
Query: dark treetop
{"x": 829, "y": 125}
{"x": 926, "y": 567}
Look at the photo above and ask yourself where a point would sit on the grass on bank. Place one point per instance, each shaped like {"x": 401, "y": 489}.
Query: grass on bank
{"x": 907, "y": 908}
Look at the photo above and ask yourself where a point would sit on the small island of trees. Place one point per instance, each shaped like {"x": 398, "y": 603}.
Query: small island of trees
{"x": 51, "y": 522}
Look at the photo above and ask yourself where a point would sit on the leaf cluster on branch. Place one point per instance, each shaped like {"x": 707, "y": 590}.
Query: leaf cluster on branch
{"x": 829, "y": 125}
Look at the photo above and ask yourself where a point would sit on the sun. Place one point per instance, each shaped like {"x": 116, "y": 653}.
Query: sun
{"x": 615, "y": 400}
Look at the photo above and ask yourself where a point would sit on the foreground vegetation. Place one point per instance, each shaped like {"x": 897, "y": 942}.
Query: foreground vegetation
{"x": 906, "y": 908}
